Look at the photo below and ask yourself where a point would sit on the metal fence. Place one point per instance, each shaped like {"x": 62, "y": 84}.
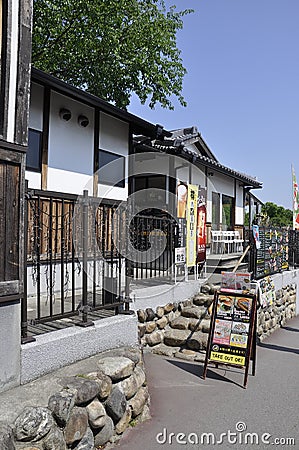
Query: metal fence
{"x": 83, "y": 252}
{"x": 279, "y": 249}
{"x": 294, "y": 248}
{"x": 154, "y": 240}
{"x": 73, "y": 264}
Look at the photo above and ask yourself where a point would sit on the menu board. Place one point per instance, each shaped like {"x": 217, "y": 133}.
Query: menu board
{"x": 272, "y": 254}
{"x": 231, "y": 330}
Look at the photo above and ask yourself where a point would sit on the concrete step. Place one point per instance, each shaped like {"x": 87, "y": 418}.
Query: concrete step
{"x": 214, "y": 268}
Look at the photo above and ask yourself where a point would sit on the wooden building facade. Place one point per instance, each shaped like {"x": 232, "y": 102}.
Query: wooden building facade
{"x": 15, "y": 41}
{"x": 15, "y": 53}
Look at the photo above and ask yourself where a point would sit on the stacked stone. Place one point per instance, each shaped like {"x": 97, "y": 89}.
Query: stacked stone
{"x": 277, "y": 314}
{"x": 89, "y": 411}
{"x": 178, "y": 329}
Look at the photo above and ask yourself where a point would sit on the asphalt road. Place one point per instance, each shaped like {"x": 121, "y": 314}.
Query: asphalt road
{"x": 263, "y": 416}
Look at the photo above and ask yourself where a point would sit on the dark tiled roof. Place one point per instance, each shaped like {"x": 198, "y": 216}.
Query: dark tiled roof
{"x": 180, "y": 139}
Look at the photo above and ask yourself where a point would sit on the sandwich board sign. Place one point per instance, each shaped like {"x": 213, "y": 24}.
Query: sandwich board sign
{"x": 232, "y": 332}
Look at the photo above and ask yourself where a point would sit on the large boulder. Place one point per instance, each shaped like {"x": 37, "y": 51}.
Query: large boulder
{"x": 106, "y": 433}
{"x": 116, "y": 368}
{"x": 196, "y": 312}
{"x": 176, "y": 338}
{"x": 180, "y": 323}
{"x": 61, "y": 405}
{"x": 87, "y": 442}
{"x": 116, "y": 404}
{"x": 130, "y": 385}
{"x": 138, "y": 402}
{"x": 33, "y": 424}
{"x": 86, "y": 388}
{"x": 96, "y": 413}
{"x": 54, "y": 439}
{"x": 154, "y": 338}
{"x": 123, "y": 424}
{"x": 197, "y": 341}
{"x": 6, "y": 437}
{"x": 76, "y": 426}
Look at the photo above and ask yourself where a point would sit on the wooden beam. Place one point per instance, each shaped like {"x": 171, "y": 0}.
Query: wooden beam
{"x": 45, "y": 138}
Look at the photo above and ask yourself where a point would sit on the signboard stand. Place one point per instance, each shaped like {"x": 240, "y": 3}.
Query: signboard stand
{"x": 232, "y": 337}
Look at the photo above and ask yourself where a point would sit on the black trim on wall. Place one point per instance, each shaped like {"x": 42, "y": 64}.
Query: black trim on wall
{"x": 96, "y": 144}
{"x": 45, "y": 137}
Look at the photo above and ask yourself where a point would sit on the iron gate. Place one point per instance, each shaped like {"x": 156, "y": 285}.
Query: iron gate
{"x": 82, "y": 254}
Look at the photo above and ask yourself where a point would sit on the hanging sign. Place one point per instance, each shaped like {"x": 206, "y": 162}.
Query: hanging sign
{"x": 191, "y": 224}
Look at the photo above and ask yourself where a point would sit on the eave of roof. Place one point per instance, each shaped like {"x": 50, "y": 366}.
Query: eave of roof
{"x": 180, "y": 150}
{"x": 138, "y": 125}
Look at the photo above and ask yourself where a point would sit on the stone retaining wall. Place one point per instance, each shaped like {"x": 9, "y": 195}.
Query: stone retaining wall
{"x": 282, "y": 309}
{"x": 178, "y": 329}
{"x": 182, "y": 329}
{"x": 89, "y": 410}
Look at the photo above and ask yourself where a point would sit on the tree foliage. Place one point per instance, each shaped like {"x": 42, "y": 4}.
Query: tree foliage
{"x": 112, "y": 48}
{"x": 276, "y": 216}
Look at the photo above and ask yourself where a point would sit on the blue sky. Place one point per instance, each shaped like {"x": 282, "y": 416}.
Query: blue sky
{"x": 242, "y": 87}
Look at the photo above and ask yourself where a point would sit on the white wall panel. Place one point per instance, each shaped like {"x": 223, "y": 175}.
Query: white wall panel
{"x": 70, "y": 145}
{"x": 36, "y": 107}
{"x": 34, "y": 179}
{"x": 69, "y": 182}
{"x": 114, "y": 135}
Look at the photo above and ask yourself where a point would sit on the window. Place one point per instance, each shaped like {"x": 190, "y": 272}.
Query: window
{"x": 215, "y": 211}
{"x": 150, "y": 183}
{"x": 34, "y": 153}
{"x": 114, "y": 173}
{"x": 227, "y": 212}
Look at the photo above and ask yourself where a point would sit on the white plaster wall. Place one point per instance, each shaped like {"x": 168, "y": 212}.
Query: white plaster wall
{"x": 183, "y": 174}
{"x": 36, "y": 107}
{"x": 210, "y": 189}
{"x": 34, "y": 179}
{"x": 158, "y": 164}
{"x": 239, "y": 219}
{"x": 63, "y": 347}
{"x": 223, "y": 184}
{"x": 198, "y": 176}
{"x": 10, "y": 336}
{"x": 12, "y": 43}
{"x": 69, "y": 181}
{"x": 70, "y": 147}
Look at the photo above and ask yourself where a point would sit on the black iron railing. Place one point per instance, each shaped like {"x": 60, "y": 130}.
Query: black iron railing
{"x": 73, "y": 265}
{"x": 83, "y": 252}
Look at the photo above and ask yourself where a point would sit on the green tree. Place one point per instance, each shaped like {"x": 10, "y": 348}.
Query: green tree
{"x": 277, "y": 216}
{"x": 112, "y": 48}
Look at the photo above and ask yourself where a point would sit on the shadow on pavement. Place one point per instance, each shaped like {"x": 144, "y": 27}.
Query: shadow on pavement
{"x": 279, "y": 348}
{"x": 197, "y": 370}
{"x": 290, "y": 329}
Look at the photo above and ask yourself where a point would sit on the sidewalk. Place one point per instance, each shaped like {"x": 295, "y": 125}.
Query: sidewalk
{"x": 182, "y": 402}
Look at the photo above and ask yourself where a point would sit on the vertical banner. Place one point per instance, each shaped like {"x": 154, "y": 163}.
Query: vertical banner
{"x": 295, "y": 202}
{"x": 191, "y": 224}
{"x": 256, "y": 236}
{"x": 201, "y": 225}
{"x": 182, "y": 193}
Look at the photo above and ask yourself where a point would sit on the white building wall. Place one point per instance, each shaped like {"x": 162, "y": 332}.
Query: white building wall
{"x": 36, "y": 107}
{"x": 239, "y": 219}
{"x": 70, "y": 163}
{"x": 36, "y": 123}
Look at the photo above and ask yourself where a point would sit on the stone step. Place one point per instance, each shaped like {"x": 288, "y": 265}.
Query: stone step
{"x": 211, "y": 268}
